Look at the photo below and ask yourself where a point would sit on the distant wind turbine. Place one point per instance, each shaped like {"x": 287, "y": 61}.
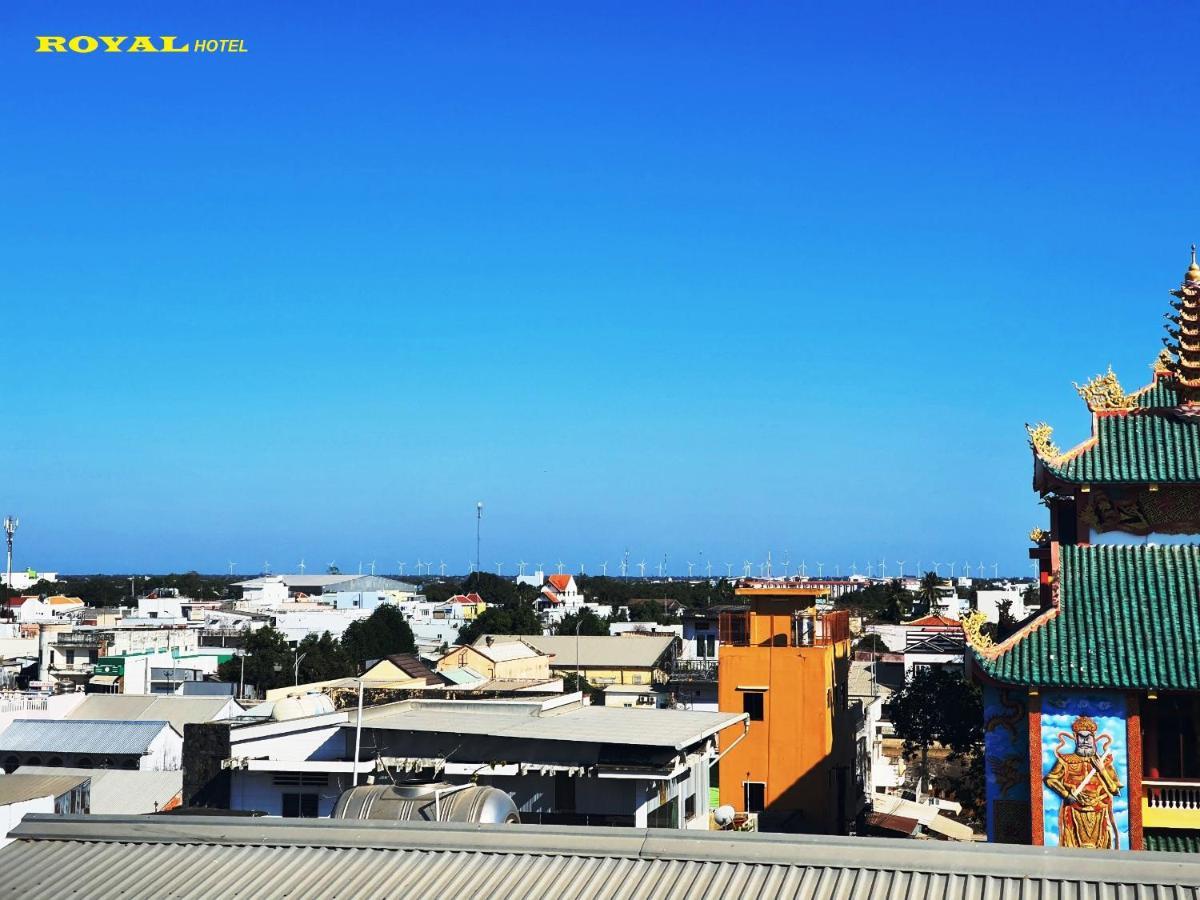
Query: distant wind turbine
{"x": 232, "y": 566}
{"x": 900, "y": 563}
{"x": 604, "y": 569}
{"x": 690, "y": 566}
{"x": 642, "y": 567}
{"x": 820, "y": 570}
{"x": 560, "y": 566}
{"x": 498, "y": 567}
{"x": 302, "y": 567}
{"x": 746, "y": 567}
{"x": 521, "y": 568}
{"x": 401, "y": 565}
{"x": 708, "y": 568}
{"x": 729, "y": 570}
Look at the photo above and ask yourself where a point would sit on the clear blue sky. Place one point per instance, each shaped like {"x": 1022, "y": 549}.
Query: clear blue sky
{"x": 682, "y": 278}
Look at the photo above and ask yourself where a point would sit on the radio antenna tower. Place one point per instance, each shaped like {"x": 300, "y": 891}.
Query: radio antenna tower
{"x": 10, "y": 528}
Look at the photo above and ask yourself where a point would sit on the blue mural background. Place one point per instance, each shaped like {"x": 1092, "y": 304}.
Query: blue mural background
{"x": 1059, "y": 710}
{"x": 1006, "y": 752}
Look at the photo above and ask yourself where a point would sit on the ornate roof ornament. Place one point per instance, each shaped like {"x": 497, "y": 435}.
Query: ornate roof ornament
{"x": 1039, "y": 535}
{"x": 972, "y": 626}
{"x": 1105, "y": 392}
{"x": 1163, "y": 365}
{"x": 1039, "y": 440}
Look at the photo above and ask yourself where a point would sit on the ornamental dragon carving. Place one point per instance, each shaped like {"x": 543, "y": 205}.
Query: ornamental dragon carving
{"x": 1104, "y": 392}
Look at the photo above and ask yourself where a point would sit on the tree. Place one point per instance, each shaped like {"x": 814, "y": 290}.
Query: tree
{"x": 588, "y": 622}
{"x": 930, "y": 591}
{"x": 1006, "y": 624}
{"x": 268, "y": 660}
{"x": 940, "y": 706}
{"x": 520, "y": 618}
{"x": 381, "y": 634}
{"x": 323, "y": 659}
{"x": 888, "y": 603}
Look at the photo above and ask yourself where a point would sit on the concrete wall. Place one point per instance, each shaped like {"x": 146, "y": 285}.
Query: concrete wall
{"x": 12, "y": 814}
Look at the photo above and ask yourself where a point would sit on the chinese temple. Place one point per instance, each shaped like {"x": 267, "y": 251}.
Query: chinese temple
{"x": 1092, "y": 707}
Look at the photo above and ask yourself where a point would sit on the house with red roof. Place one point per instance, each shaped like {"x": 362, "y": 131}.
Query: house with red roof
{"x": 561, "y": 589}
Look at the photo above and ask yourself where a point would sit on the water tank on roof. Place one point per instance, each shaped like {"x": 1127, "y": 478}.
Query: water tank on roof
{"x": 420, "y": 802}
{"x": 299, "y": 707}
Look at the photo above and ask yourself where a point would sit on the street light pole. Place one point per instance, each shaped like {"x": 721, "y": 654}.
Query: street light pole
{"x": 296, "y": 668}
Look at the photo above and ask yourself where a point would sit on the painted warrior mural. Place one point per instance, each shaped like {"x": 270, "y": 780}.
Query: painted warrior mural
{"x": 1087, "y": 783}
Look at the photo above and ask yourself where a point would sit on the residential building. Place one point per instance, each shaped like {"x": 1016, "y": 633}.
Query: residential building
{"x": 498, "y": 659}
{"x": 1091, "y": 707}
{"x": 785, "y": 664}
{"x": 86, "y": 743}
{"x": 602, "y": 660}
{"x": 23, "y": 581}
{"x": 560, "y": 760}
{"x": 693, "y": 679}
{"x": 876, "y": 771}
{"x": 219, "y": 856}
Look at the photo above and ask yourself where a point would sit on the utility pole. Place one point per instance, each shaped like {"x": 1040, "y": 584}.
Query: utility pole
{"x": 478, "y": 523}
{"x": 10, "y": 528}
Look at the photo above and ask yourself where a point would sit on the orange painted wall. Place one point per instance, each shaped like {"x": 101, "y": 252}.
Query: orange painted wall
{"x": 790, "y": 749}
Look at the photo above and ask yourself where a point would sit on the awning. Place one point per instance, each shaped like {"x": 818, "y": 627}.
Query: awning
{"x": 107, "y": 680}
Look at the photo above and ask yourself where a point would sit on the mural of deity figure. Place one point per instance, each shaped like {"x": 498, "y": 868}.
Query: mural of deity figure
{"x": 1086, "y": 781}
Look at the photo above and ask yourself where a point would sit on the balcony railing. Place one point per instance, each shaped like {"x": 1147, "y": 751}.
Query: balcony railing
{"x": 694, "y": 670}
{"x": 1170, "y": 803}
{"x": 807, "y": 628}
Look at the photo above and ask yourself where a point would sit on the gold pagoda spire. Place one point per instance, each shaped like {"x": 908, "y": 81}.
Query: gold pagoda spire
{"x": 1182, "y": 343}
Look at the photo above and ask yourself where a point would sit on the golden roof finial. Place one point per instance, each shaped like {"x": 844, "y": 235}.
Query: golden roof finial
{"x": 1105, "y": 392}
{"x": 1193, "y": 272}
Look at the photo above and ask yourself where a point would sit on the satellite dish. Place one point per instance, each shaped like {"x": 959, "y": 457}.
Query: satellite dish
{"x": 723, "y": 816}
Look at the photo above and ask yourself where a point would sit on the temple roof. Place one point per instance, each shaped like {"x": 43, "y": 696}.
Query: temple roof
{"x": 1127, "y": 617}
{"x": 1139, "y": 446}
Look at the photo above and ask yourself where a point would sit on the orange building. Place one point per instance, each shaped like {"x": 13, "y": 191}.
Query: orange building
{"x": 786, "y": 665}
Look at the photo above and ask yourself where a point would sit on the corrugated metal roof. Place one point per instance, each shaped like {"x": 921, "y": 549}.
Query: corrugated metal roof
{"x": 674, "y": 728}
{"x": 596, "y": 651}
{"x": 179, "y": 711}
{"x": 120, "y": 791}
{"x": 79, "y": 736}
{"x": 21, "y": 786}
{"x": 132, "y": 857}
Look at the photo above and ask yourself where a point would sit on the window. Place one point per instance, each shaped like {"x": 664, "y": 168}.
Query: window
{"x": 756, "y": 795}
{"x": 300, "y": 806}
{"x": 752, "y": 704}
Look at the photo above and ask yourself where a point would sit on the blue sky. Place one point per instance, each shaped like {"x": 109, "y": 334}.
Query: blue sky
{"x": 683, "y": 278}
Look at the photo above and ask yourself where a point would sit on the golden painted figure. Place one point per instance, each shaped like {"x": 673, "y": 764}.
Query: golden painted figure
{"x": 1087, "y": 783}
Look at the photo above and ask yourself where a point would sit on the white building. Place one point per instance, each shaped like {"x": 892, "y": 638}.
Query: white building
{"x": 23, "y": 581}
{"x": 560, "y": 760}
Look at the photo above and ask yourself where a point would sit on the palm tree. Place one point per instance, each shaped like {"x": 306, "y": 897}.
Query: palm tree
{"x": 930, "y": 591}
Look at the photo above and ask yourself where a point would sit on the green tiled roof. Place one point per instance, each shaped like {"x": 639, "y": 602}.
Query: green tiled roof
{"x": 1172, "y": 840}
{"x": 1137, "y": 447}
{"x": 1128, "y": 617}
{"x": 1162, "y": 394}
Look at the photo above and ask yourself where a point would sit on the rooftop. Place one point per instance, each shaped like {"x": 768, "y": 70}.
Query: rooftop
{"x": 19, "y": 787}
{"x": 79, "y": 736}
{"x": 123, "y": 791}
{"x": 1127, "y": 617}
{"x": 553, "y": 721}
{"x": 135, "y": 857}
{"x": 595, "y": 651}
{"x": 179, "y": 711}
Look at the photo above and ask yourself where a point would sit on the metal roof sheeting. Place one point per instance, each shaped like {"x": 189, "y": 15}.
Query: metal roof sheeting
{"x": 674, "y": 728}
{"x": 79, "y": 736}
{"x": 119, "y": 791}
{"x": 637, "y": 651}
{"x": 179, "y": 711}
{"x": 107, "y": 856}
{"x": 18, "y": 787}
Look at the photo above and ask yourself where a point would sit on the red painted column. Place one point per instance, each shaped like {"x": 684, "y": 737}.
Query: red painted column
{"x": 1133, "y": 737}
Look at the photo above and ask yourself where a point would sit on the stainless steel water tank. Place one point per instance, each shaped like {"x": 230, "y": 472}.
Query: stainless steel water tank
{"x": 421, "y": 802}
